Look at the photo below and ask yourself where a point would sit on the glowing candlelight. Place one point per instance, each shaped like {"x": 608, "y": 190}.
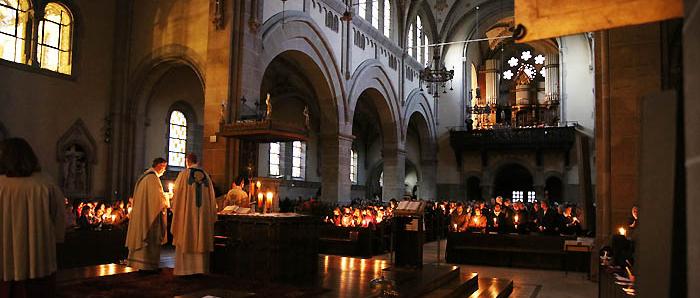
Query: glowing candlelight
{"x": 455, "y": 225}
{"x": 622, "y": 231}
{"x": 171, "y": 186}
{"x": 516, "y": 219}
{"x": 268, "y": 204}
{"x": 257, "y": 184}
{"x": 476, "y": 220}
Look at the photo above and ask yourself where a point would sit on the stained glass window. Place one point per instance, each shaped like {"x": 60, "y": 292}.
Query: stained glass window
{"x": 177, "y": 139}
{"x": 275, "y": 159}
{"x": 55, "y": 34}
{"x": 13, "y": 30}
{"x": 353, "y": 166}
{"x": 298, "y": 159}
{"x": 419, "y": 40}
{"x": 387, "y": 18}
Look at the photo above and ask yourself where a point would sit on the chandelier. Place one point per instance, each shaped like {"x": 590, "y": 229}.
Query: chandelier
{"x": 435, "y": 77}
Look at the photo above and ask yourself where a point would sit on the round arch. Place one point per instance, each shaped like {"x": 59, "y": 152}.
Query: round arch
{"x": 302, "y": 40}
{"x": 371, "y": 80}
{"x": 418, "y": 109}
{"x": 148, "y": 74}
{"x": 512, "y": 177}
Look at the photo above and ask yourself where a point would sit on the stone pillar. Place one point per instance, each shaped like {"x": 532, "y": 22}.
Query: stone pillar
{"x": 539, "y": 192}
{"x": 491, "y": 81}
{"x": 486, "y": 191}
{"x": 691, "y": 58}
{"x": 394, "y": 173}
{"x": 335, "y": 168}
{"x": 428, "y": 184}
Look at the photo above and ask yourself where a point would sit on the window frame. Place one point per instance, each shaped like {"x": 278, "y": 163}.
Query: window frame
{"x": 279, "y": 159}
{"x": 301, "y": 160}
{"x": 353, "y": 166}
{"x": 25, "y": 42}
{"x": 169, "y": 137}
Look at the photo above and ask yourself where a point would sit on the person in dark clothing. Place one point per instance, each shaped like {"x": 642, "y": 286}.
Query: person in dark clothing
{"x": 550, "y": 220}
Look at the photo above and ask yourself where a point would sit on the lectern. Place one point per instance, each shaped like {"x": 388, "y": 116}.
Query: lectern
{"x": 409, "y": 231}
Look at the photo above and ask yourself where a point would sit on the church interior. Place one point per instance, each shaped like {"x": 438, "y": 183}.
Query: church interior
{"x": 349, "y": 148}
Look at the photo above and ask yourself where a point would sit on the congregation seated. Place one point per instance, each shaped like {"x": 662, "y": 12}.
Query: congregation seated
{"x": 478, "y": 221}
{"x": 459, "y": 220}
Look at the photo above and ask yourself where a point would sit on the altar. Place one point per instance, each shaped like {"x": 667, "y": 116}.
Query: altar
{"x": 266, "y": 247}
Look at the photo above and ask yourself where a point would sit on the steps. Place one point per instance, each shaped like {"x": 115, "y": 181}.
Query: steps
{"x": 444, "y": 281}
{"x": 493, "y": 288}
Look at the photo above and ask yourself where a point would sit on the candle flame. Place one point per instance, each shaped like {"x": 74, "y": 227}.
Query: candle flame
{"x": 516, "y": 218}
{"x": 622, "y": 231}
{"x": 269, "y": 195}
{"x": 171, "y": 186}
{"x": 257, "y": 184}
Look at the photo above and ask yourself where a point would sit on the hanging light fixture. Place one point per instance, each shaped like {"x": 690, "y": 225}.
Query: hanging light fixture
{"x": 435, "y": 77}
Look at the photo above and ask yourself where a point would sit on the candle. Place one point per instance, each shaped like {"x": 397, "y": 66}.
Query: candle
{"x": 516, "y": 219}
{"x": 170, "y": 187}
{"x": 260, "y": 201}
{"x": 622, "y": 231}
{"x": 476, "y": 220}
{"x": 257, "y": 184}
{"x": 455, "y": 225}
{"x": 268, "y": 204}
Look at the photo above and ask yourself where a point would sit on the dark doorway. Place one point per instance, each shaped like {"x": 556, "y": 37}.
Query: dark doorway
{"x": 474, "y": 189}
{"x": 513, "y": 177}
{"x": 553, "y": 189}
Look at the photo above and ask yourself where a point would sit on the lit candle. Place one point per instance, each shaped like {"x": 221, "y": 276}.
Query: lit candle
{"x": 260, "y": 201}
{"x": 171, "y": 186}
{"x": 268, "y": 204}
{"x": 516, "y": 219}
{"x": 455, "y": 225}
{"x": 257, "y": 184}
{"x": 622, "y": 231}
{"x": 476, "y": 220}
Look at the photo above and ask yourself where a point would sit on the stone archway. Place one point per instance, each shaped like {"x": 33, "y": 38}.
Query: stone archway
{"x": 512, "y": 177}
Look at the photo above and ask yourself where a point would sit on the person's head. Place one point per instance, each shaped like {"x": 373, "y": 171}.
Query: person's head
{"x": 159, "y": 165}
{"x": 635, "y": 211}
{"x": 536, "y": 206}
{"x": 544, "y": 205}
{"x": 460, "y": 208}
{"x": 497, "y": 208}
{"x": 477, "y": 212}
{"x": 499, "y": 200}
{"x": 17, "y": 159}
{"x": 567, "y": 211}
{"x": 507, "y": 202}
{"x": 190, "y": 159}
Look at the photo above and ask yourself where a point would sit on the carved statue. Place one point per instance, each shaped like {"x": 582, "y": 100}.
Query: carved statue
{"x": 222, "y": 113}
{"x": 75, "y": 171}
{"x": 307, "y": 123}
{"x": 268, "y": 114}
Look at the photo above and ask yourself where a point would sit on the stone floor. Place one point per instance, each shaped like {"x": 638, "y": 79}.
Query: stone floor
{"x": 526, "y": 282}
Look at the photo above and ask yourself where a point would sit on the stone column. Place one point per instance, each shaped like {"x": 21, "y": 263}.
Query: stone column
{"x": 539, "y": 192}
{"x": 394, "y": 173}
{"x": 428, "y": 184}
{"x": 691, "y": 58}
{"x": 335, "y": 168}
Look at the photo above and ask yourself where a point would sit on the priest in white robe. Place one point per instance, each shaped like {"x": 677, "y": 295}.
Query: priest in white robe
{"x": 147, "y": 224}
{"x": 31, "y": 223}
{"x": 194, "y": 214}
{"x": 236, "y": 196}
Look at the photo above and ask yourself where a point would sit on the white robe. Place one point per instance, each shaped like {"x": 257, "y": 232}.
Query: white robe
{"x": 147, "y": 225}
{"x": 31, "y": 223}
{"x": 236, "y": 196}
{"x": 193, "y": 226}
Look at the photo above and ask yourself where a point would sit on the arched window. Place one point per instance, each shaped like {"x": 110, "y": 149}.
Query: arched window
{"x": 362, "y": 8}
{"x": 298, "y": 160}
{"x": 409, "y": 42}
{"x": 387, "y": 18}
{"x": 353, "y": 166}
{"x": 426, "y": 50}
{"x": 54, "y": 39}
{"x": 275, "y": 159}
{"x": 177, "y": 139}
{"x": 375, "y": 14}
{"x": 13, "y": 30}
{"x": 419, "y": 40}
